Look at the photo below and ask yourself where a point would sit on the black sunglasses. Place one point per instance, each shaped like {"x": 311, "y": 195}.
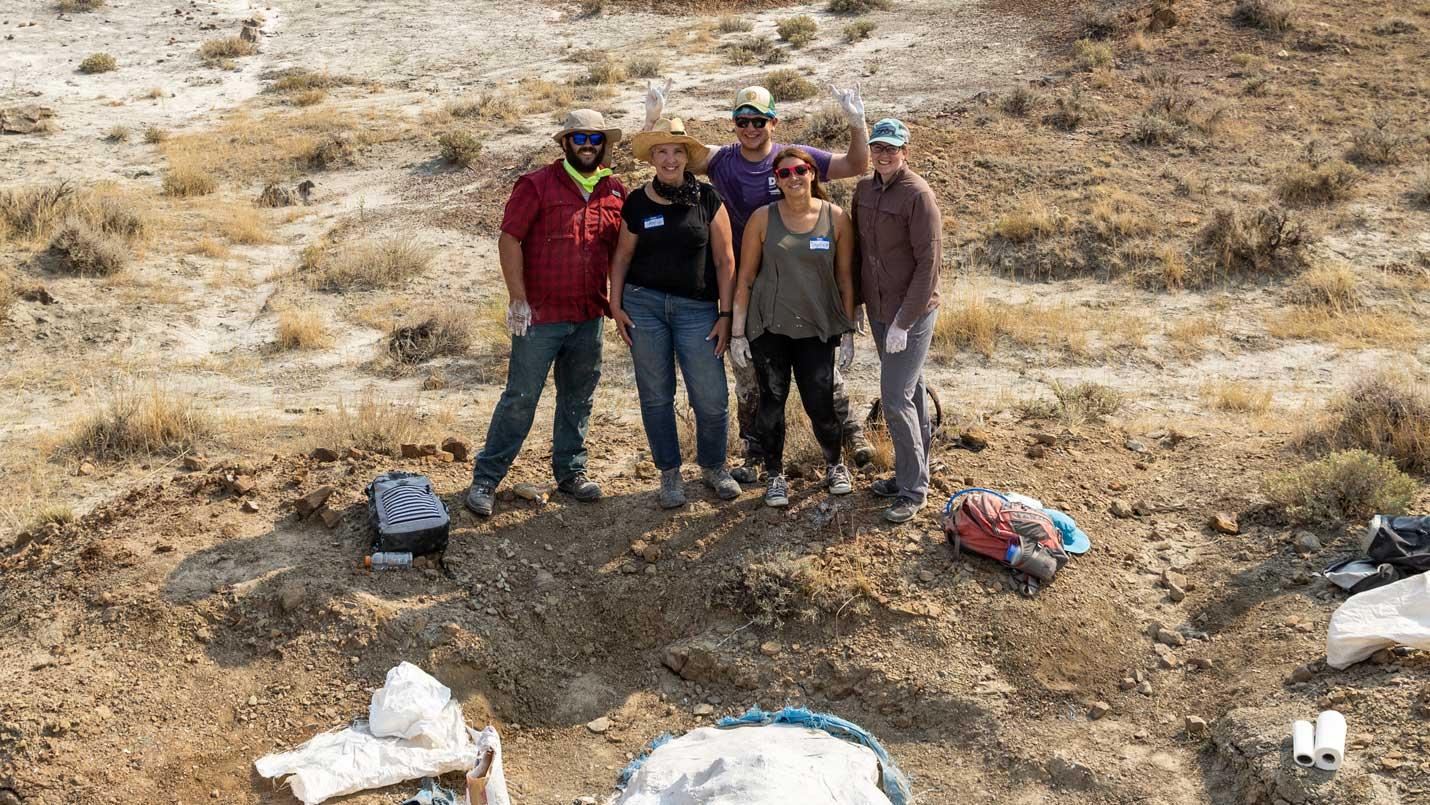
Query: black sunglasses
{"x": 594, "y": 138}
{"x": 746, "y": 122}
{"x": 797, "y": 170}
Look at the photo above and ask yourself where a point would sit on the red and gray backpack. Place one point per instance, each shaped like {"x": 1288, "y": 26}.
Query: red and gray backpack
{"x": 1018, "y": 536}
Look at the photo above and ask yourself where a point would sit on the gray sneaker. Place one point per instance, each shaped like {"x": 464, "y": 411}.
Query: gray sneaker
{"x": 777, "y": 493}
{"x": 672, "y": 489}
{"x": 838, "y": 480}
{"x": 747, "y": 473}
{"x": 580, "y": 487}
{"x": 720, "y": 480}
{"x": 902, "y": 510}
{"x": 479, "y": 498}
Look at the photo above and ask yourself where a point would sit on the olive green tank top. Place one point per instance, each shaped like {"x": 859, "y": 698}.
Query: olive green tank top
{"x": 795, "y": 294}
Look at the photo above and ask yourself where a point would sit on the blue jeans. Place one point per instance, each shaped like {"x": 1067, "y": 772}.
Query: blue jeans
{"x": 668, "y": 327}
{"x": 575, "y": 349}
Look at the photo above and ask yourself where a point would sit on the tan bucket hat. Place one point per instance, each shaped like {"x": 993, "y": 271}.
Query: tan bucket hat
{"x": 587, "y": 120}
{"x": 668, "y": 130}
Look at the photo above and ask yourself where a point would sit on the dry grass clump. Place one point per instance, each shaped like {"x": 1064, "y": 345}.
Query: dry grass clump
{"x": 1117, "y": 215}
{"x": 755, "y": 49}
{"x": 188, "y": 177}
{"x": 245, "y": 226}
{"x": 117, "y": 134}
{"x": 366, "y": 265}
{"x": 208, "y": 247}
{"x": 8, "y": 292}
{"x": 448, "y": 331}
{"x": 88, "y": 251}
{"x": 1380, "y": 144}
{"x": 789, "y": 85}
{"x": 782, "y": 587}
{"x": 1420, "y": 189}
{"x": 643, "y": 66}
{"x": 155, "y": 135}
{"x": 303, "y": 329}
{"x": 215, "y": 51}
{"x": 858, "y": 30}
{"x": 72, "y": 6}
{"x": 1390, "y": 26}
{"x": 1306, "y": 183}
{"x": 825, "y": 127}
{"x": 1084, "y": 402}
{"x": 134, "y": 423}
{"x": 1100, "y": 23}
{"x": 1091, "y": 55}
{"x": 601, "y": 70}
{"x": 309, "y": 97}
{"x": 33, "y": 211}
{"x": 460, "y": 147}
{"x": 1386, "y": 413}
{"x": 98, "y": 63}
{"x": 373, "y": 425}
{"x": 733, "y": 24}
{"x": 1272, "y": 16}
{"x": 1333, "y": 286}
{"x": 52, "y": 514}
{"x": 970, "y": 321}
{"x": 859, "y": 6}
{"x": 1344, "y": 486}
{"x": 798, "y": 31}
{"x": 301, "y": 79}
{"x": 1033, "y": 219}
{"x": 1238, "y": 396}
{"x": 1266, "y": 239}
{"x": 1072, "y": 109}
{"x": 1021, "y": 101}
{"x": 492, "y": 105}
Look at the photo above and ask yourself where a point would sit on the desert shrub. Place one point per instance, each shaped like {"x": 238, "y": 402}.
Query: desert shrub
{"x": 333, "y": 151}
{"x": 98, "y": 63}
{"x": 755, "y": 49}
{"x": 590, "y": 8}
{"x": 230, "y": 47}
{"x": 72, "y": 6}
{"x": 89, "y": 251}
{"x": 117, "y": 134}
{"x": 1153, "y": 129}
{"x": 1420, "y": 189}
{"x": 789, "y": 85}
{"x": 1390, "y": 26}
{"x": 492, "y": 105}
{"x": 367, "y": 264}
{"x": 1084, "y": 402}
{"x": 52, "y": 514}
{"x": 134, "y": 423}
{"x": 858, "y": 30}
{"x": 1072, "y": 109}
{"x": 1379, "y": 144}
{"x": 1100, "y": 23}
{"x": 448, "y": 331}
{"x": 1033, "y": 219}
{"x": 859, "y": 6}
{"x": 309, "y": 97}
{"x": 824, "y": 128}
{"x": 1091, "y": 55}
{"x": 1273, "y": 16}
{"x": 1386, "y": 413}
{"x": 643, "y": 67}
{"x": 8, "y": 292}
{"x": 1343, "y": 486}
{"x": 733, "y": 24}
{"x": 32, "y": 212}
{"x": 798, "y": 31}
{"x": 1331, "y": 286}
{"x": 460, "y": 147}
{"x": 602, "y": 70}
{"x": 374, "y": 425}
{"x": 1116, "y": 215}
{"x": 186, "y": 177}
{"x": 1259, "y": 240}
{"x": 1237, "y": 396}
{"x": 1020, "y": 101}
{"x": 302, "y": 329}
{"x": 1306, "y": 183}
{"x": 245, "y": 226}
{"x": 155, "y": 135}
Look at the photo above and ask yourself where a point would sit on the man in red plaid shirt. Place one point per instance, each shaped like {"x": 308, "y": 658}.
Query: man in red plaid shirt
{"x": 558, "y": 233}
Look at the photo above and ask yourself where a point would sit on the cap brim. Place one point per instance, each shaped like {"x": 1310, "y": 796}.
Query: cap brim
{"x": 1076, "y": 543}
{"x": 894, "y": 141}
{"x": 751, "y": 110}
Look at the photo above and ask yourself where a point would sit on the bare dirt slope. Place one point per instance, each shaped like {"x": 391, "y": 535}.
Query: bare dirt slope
{"x": 1106, "y": 174}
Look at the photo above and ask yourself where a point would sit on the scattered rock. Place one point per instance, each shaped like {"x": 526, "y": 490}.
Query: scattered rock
{"x": 1306, "y": 542}
{"x": 1036, "y": 451}
{"x": 356, "y": 454}
{"x": 926, "y": 576}
{"x": 26, "y": 119}
{"x": 411, "y": 451}
{"x": 1171, "y": 578}
{"x": 703, "y": 709}
{"x": 645, "y": 470}
{"x": 1176, "y": 593}
{"x": 194, "y": 464}
{"x": 86, "y": 468}
{"x": 1120, "y": 508}
{"x": 770, "y": 648}
{"x": 323, "y": 454}
{"x": 240, "y": 485}
{"x": 313, "y": 501}
{"x": 1303, "y": 673}
{"x": 1166, "y": 658}
{"x": 276, "y": 195}
{"x": 1046, "y": 439}
{"x": 1201, "y": 663}
{"x": 531, "y": 492}
{"x": 330, "y": 517}
{"x": 1126, "y": 683}
{"x": 1069, "y": 774}
{"x": 599, "y": 725}
{"x": 290, "y": 598}
{"x": 1142, "y": 508}
{"x": 1224, "y": 523}
{"x": 974, "y": 438}
{"x": 1098, "y": 710}
{"x": 1196, "y": 727}
{"x": 1145, "y": 687}
{"x": 248, "y": 507}
{"x": 1135, "y": 446}
{"x": 1167, "y": 637}
{"x": 37, "y": 293}
{"x": 459, "y": 449}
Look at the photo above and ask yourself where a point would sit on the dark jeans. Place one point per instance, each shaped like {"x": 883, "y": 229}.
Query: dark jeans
{"x": 747, "y": 404}
{"x": 812, "y": 363}
{"x": 575, "y": 349}
{"x": 668, "y": 328}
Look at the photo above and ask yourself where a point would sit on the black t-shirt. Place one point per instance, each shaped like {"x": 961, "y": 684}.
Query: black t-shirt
{"x": 673, "y": 250}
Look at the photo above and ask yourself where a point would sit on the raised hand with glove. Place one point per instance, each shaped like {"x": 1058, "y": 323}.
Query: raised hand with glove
{"x": 850, "y": 103}
{"x": 655, "y": 102}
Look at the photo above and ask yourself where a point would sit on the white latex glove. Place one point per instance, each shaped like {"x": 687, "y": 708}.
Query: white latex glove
{"x": 850, "y": 103}
{"x": 655, "y": 102}
{"x": 859, "y": 326}
{"x": 846, "y": 351}
{"x": 740, "y": 351}
{"x": 518, "y": 317}
{"x": 895, "y": 339}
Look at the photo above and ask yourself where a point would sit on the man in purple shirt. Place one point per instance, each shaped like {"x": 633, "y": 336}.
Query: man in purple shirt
{"x": 743, "y": 174}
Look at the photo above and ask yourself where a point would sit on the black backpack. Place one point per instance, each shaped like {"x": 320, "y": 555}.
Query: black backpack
{"x": 406, "y": 515}
{"x": 1395, "y": 548}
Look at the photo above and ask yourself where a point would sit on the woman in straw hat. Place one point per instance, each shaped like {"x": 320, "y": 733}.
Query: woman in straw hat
{"x": 672, "y": 283}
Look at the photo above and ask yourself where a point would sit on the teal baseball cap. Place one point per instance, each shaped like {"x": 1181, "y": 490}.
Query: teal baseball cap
{"x": 889, "y": 131}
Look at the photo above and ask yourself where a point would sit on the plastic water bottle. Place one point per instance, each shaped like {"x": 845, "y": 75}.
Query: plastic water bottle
{"x": 1036, "y": 563}
{"x": 388, "y": 560}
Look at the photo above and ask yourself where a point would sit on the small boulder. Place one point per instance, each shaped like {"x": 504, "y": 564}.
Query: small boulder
{"x": 26, "y": 119}
{"x": 1120, "y": 508}
{"x": 598, "y": 725}
{"x": 330, "y": 517}
{"x": 1036, "y": 451}
{"x": 411, "y": 451}
{"x": 86, "y": 468}
{"x": 1046, "y": 439}
{"x": 974, "y": 438}
{"x": 1306, "y": 542}
{"x": 1196, "y": 727}
{"x": 312, "y": 501}
{"x": 1166, "y": 658}
{"x": 194, "y": 464}
{"x": 1167, "y": 637}
{"x": 459, "y": 449}
{"x": 248, "y": 507}
{"x": 323, "y": 454}
{"x": 1224, "y": 523}
{"x": 240, "y": 485}
{"x": 703, "y": 709}
{"x": 1098, "y": 710}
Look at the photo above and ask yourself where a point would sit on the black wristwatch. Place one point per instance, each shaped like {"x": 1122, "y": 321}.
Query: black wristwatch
{"x": 726, "y": 314}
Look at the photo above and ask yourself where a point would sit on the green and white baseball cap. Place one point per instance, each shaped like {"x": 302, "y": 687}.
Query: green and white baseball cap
{"x": 755, "y": 101}
{"x": 890, "y": 131}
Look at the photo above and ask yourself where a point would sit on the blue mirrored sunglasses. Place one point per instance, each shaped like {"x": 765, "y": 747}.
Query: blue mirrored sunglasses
{"x": 581, "y": 138}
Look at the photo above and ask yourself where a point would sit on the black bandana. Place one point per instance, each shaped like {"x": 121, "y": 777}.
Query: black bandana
{"x": 687, "y": 193}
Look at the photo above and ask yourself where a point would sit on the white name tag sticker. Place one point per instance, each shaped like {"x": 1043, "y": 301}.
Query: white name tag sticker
{"x": 774, "y": 189}
{"x": 819, "y": 244}
{"x": 655, "y": 221}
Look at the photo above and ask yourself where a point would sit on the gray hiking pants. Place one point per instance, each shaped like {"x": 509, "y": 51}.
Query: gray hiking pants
{"x": 905, "y": 404}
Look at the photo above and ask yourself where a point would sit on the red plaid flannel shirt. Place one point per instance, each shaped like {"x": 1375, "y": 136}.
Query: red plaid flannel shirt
{"x": 566, "y": 243}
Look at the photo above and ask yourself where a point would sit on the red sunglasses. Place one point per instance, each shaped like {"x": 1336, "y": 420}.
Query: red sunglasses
{"x": 797, "y": 170}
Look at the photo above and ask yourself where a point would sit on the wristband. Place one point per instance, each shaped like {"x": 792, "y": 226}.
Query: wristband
{"x": 725, "y": 314}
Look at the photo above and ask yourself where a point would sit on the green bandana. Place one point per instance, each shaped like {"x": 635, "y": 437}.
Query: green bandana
{"x": 587, "y": 183}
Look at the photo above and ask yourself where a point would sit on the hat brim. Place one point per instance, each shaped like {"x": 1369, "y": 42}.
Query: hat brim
{"x": 745, "y": 108}
{"x": 613, "y": 136}
{"x": 894, "y": 141}
{"x": 646, "y": 141}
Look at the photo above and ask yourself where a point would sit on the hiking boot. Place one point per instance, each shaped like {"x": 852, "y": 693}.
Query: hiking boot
{"x": 902, "y": 510}
{"x": 672, "y": 489}
{"x": 837, "y": 480}
{"x": 885, "y": 488}
{"x": 860, "y": 450}
{"x": 777, "y": 492}
{"x": 747, "y": 473}
{"x": 580, "y": 487}
{"x": 720, "y": 480}
{"x": 479, "y": 498}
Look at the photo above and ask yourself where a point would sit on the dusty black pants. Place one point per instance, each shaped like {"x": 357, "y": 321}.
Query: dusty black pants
{"x": 812, "y": 363}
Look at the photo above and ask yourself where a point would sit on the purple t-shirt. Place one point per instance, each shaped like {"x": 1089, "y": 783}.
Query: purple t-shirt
{"x": 747, "y": 186}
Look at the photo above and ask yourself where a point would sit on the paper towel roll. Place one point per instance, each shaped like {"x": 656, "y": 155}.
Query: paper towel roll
{"x": 1330, "y": 740}
{"x": 1303, "y": 743}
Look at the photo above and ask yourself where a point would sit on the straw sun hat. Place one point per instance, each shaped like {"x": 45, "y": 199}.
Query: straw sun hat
{"x": 667, "y": 130}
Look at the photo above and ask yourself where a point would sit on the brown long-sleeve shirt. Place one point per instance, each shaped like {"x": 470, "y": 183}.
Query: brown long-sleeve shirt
{"x": 900, "y": 247}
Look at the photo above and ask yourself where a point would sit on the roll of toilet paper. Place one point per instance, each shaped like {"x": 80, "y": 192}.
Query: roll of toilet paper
{"x": 1303, "y": 743}
{"x": 1330, "y": 740}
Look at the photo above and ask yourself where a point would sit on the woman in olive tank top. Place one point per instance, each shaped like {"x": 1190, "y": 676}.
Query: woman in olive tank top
{"x": 794, "y": 303}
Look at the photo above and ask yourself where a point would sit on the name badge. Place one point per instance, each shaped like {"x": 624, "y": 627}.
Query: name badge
{"x": 774, "y": 189}
{"x": 654, "y": 221}
{"x": 819, "y": 244}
